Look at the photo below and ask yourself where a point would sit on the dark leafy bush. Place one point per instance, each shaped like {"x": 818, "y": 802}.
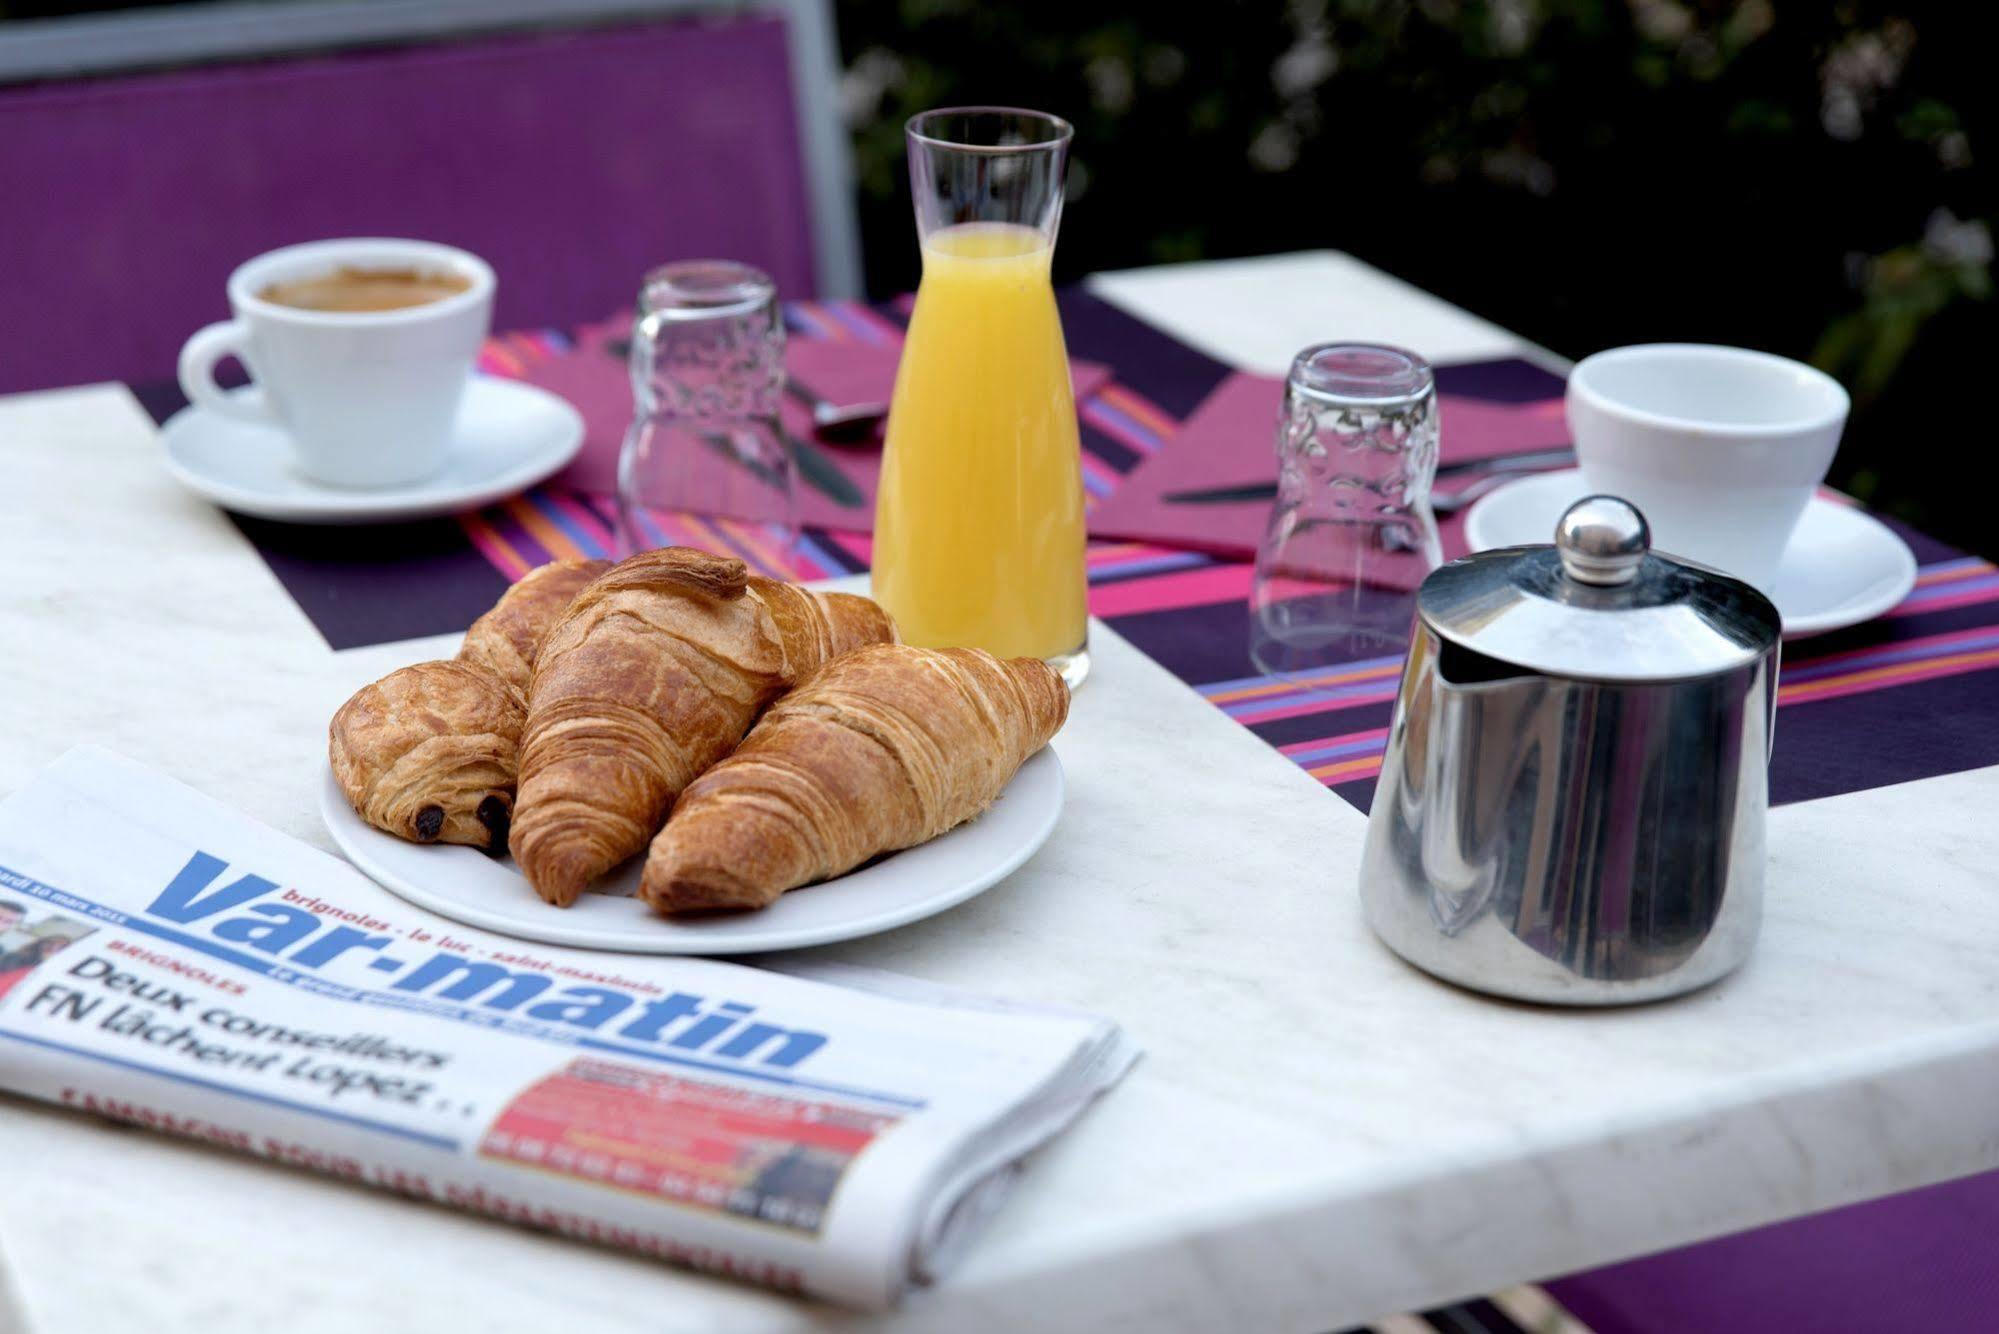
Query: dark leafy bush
{"x": 1811, "y": 178}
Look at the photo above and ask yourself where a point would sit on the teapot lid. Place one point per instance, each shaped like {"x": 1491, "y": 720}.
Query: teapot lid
{"x": 1599, "y": 604}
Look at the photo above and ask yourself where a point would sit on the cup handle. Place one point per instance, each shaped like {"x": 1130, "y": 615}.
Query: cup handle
{"x": 198, "y": 358}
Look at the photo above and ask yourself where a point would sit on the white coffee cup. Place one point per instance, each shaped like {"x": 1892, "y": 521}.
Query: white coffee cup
{"x": 367, "y": 398}
{"x": 1720, "y": 447}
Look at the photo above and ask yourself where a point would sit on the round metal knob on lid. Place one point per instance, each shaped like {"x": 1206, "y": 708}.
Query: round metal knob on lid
{"x": 1602, "y": 540}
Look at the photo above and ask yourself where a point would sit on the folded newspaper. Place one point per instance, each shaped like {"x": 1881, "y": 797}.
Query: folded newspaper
{"x": 169, "y": 962}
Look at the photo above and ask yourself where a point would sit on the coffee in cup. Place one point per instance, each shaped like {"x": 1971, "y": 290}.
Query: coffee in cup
{"x": 354, "y": 290}
{"x": 358, "y": 350}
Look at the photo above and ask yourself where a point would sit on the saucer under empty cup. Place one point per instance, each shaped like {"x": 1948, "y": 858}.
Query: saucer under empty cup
{"x": 1842, "y": 566}
{"x": 1721, "y": 447}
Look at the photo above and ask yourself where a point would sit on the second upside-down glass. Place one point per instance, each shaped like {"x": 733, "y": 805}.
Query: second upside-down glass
{"x": 979, "y": 517}
{"x": 1352, "y": 533}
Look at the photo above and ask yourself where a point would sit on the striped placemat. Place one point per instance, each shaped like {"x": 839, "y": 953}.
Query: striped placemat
{"x": 1906, "y": 696}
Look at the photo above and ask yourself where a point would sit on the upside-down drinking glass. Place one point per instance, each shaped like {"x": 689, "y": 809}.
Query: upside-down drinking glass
{"x": 707, "y": 364}
{"x": 1352, "y": 533}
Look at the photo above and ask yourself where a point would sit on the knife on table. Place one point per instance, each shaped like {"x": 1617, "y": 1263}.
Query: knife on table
{"x": 819, "y": 472}
{"x": 823, "y": 475}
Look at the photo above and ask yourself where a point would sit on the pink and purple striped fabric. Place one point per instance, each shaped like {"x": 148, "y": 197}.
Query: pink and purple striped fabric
{"x": 1910, "y": 695}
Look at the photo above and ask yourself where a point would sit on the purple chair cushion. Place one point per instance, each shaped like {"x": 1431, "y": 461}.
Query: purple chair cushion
{"x": 571, "y": 161}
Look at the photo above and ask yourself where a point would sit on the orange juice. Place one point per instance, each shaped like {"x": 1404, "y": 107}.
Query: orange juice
{"x": 979, "y": 519}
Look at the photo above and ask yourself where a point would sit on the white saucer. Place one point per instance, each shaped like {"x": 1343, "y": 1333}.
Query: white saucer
{"x": 1842, "y": 567}
{"x": 490, "y": 892}
{"x": 508, "y": 437}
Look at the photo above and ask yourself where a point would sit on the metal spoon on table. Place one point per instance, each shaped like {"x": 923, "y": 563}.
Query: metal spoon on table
{"x": 835, "y": 423}
{"x": 1495, "y": 474}
{"x": 838, "y": 423}
{"x": 1486, "y": 474}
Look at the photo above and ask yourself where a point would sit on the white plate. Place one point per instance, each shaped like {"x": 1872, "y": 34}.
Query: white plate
{"x": 508, "y": 437}
{"x": 468, "y": 886}
{"x": 1842, "y": 567}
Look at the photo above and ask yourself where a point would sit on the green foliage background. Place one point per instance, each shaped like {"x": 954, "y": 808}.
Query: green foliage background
{"x": 1811, "y": 178}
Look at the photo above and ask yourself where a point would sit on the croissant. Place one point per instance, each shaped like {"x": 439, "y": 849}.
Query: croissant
{"x": 882, "y": 749}
{"x": 428, "y": 753}
{"x": 656, "y": 671}
{"x": 506, "y": 639}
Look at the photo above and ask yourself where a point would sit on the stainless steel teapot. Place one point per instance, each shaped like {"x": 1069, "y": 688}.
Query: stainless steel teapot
{"x": 1572, "y": 801}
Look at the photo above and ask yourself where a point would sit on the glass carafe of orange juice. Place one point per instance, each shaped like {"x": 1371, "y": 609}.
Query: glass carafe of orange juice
{"x": 979, "y": 516}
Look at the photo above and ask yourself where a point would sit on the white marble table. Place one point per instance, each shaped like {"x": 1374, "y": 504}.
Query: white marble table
{"x": 1317, "y": 1136}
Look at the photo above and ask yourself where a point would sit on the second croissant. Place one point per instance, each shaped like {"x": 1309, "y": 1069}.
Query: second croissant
{"x": 655, "y": 673}
{"x": 880, "y": 750}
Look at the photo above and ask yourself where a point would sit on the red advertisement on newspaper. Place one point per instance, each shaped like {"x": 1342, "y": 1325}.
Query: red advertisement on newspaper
{"x": 766, "y": 1156}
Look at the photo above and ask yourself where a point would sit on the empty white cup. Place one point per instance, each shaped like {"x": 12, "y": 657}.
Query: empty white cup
{"x": 368, "y": 399}
{"x": 1720, "y": 447}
